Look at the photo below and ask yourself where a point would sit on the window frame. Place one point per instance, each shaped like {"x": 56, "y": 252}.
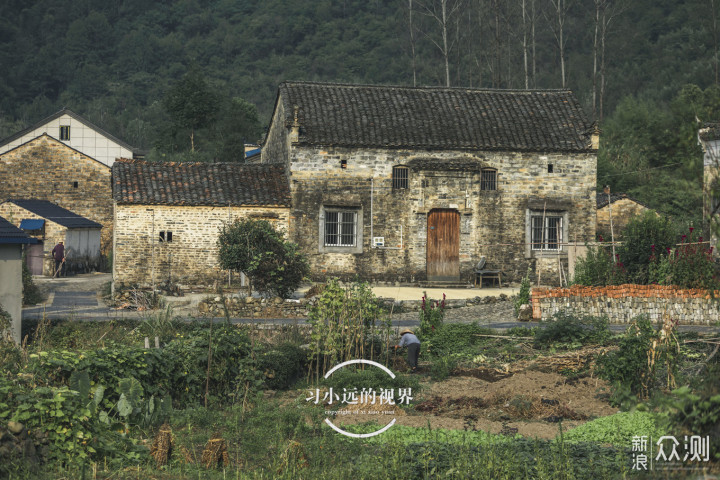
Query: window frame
{"x": 65, "y": 133}
{"x": 484, "y": 183}
{"x": 398, "y": 181}
{"x": 532, "y": 217}
{"x": 327, "y": 218}
{"x": 166, "y": 236}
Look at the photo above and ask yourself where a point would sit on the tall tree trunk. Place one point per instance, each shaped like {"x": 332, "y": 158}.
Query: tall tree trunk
{"x": 412, "y": 42}
{"x": 525, "y": 44}
{"x": 533, "y": 43}
{"x": 446, "y": 52}
{"x": 595, "y": 60}
{"x": 496, "y": 52}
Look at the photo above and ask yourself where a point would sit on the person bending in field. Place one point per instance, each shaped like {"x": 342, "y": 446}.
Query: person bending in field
{"x": 409, "y": 340}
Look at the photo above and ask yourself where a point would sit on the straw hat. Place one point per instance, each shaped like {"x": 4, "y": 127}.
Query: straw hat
{"x": 407, "y": 330}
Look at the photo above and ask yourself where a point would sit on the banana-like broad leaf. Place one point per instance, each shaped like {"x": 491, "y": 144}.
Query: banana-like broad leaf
{"x": 132, "y": 389}
{"x": 99, "y": 394}
{"x": 124, "y": 407}
{"x": 80, "y": 382}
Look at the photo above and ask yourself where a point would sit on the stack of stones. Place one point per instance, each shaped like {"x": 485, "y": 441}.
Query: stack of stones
{"x": 252, "y": 307}
{"x": 16, "y": 444}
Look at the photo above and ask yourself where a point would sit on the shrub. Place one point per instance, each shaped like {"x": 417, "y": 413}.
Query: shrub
{"x": 31, "y": 293}
{"x": 442, "y": 367}
{"x": 599, "y": 268}
{"x": 253, "y": 247}
{"x": 641, "y": 350}
{"x": 642, "y": 232}
{"x": 454, "y": 338}
{"x": 283, "y": 365}
{"x": 690, "y": 265}
{"x": 523, "y": 296}
{"x": 567, "y": 328}
{"x": 432, "y": 313}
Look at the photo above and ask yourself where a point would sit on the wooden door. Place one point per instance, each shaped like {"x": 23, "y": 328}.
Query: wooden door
{"x": 34, "y": 258}
{"x": 443, "y": 246}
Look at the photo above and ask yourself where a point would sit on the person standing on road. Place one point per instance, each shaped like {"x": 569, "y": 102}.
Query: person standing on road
{"x": 58, "y": 254}
{"x": 409, "y": 340}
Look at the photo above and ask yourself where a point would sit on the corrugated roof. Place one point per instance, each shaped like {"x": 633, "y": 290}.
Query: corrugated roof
{"x": 55, "y": 213}
{"x": 214, "y": 184}
{"x": 436, "y": 118}
{"x": 10, "y": 234}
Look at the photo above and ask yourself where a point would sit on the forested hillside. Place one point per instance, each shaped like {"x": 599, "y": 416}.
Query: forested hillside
{"x": 121, "y": 64}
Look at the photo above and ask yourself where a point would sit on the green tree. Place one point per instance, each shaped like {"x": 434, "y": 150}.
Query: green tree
{"x": 191, "y": 104}
{"x": 237, "y": 124}
{"x": 254, "y": 247}
{"x": 645, "y": 237}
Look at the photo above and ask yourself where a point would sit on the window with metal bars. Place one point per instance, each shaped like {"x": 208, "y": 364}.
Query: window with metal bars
{"x": 64, "y": 132}
{"x": 400, "y": 177}
{"x": 488, "y": 180}
{"x": 340, "y": 228}
{"x": 551, "y": 238}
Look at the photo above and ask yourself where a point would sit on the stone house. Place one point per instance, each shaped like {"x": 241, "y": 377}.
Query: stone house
{"x": 168, "y": 216}
{"x": 623, "y": 207}
{"x": 12, "y": 240}
{"x": 49, "y": 224}
{"x": 417, "y": 184}
{"x": 64, "y": 159}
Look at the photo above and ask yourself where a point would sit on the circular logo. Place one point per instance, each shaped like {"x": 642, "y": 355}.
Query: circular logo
{"x": 360, "y": 435}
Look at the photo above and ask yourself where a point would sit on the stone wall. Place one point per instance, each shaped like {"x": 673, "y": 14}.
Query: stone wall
{"x": 624, "y": 302}
{"x": 622, "y": 211}
{"x": 492, "y": 223}
{"x": 191, "y": 257}
{"x": 46, "y": 169}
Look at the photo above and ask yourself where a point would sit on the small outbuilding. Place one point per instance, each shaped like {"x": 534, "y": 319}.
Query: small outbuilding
{"x": 49, "y": 224}
{"x": 12, "y": 240}
{"x": 168, "y": 216}
{"x": 623, "y": 208}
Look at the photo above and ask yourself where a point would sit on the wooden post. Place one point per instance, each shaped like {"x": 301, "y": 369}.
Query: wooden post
{"x": 147, "y": 342}
{"x": 612, "y": 234}
{"x": 542, "y": 241}
{"x": 157, "y": 342}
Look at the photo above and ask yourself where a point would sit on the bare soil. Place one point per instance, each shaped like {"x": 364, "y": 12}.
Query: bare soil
{"x": 531, "y": 403}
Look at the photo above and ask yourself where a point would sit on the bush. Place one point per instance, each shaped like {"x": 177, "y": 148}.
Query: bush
{"x": 690, "y": 265}
{"x": 442, "y": 367}
{"x": 599, "y": 268}
{"x": 432, "y": 313}
{"x": 283, "y": 365}
{"x": 566, "y": 328}
{"x": 523, "y": 296}
{"x": 454, "y": 338}
{"x": 640, "y": 234}
{"x": 31, "y": 293}
{"x": 629, "y": 366}
{"x": 273, "y": 265}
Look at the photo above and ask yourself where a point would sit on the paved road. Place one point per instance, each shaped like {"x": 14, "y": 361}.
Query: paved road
{"x": 68, "y": 300}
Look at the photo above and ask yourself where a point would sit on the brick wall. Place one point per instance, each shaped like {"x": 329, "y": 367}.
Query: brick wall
{"x": 486, "y": 217}
{"x": 624, "y": 302}
{"x": 622, "y": 211}
{"x": 46, "y": 169}
{"x": 191, "y": 257}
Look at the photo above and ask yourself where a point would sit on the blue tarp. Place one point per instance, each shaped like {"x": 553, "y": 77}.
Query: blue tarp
{"x": 32, "y": 224}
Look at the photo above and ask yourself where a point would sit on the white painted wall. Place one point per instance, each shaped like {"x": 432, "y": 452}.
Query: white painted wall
{"x": 83, "y": 242}
{"x": 11, "y": 285}
{"x": 82, "y": 138}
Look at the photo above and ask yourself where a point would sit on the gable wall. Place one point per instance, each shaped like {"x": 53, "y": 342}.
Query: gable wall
{"x": 191, "y": 257}
{"x": 276, "y": 147}
{"x": 622, "y": 211}
{"x": 45, "y": 169}
{"x": 486, "y": 217}
{"x": 82, "y": 138}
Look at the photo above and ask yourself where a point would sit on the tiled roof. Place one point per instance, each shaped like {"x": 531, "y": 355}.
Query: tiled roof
{"x": 602, "y": 199}
{"x": 460, "y": 164}
{"x": 84, "y": 121}
{"x": 165, "y": 183}
{"x": 9, "y": 233}
{"x": 55, "y": 213}
{"x": 436, "y": 118}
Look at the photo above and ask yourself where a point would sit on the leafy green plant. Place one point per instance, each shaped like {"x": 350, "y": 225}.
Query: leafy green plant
{"x": 689, "y": 265}
{"x": 442, "y": 367}
{"x": 370, "y": 378}
{"x": 347, "y": 323}
{"x": 618, "y": 429}
{"x": 599, "y": 268}
{"x": 254, "y": 247}
{"x": 31, "y": 292}
{"x": 283, "y": 365}
{"x": 640, "y": 234}
{"x": 523, "y": 295}
{"x": 567, "y": 328}
{"x": 432, "y": 313}
{"x": 454, "y": 338}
